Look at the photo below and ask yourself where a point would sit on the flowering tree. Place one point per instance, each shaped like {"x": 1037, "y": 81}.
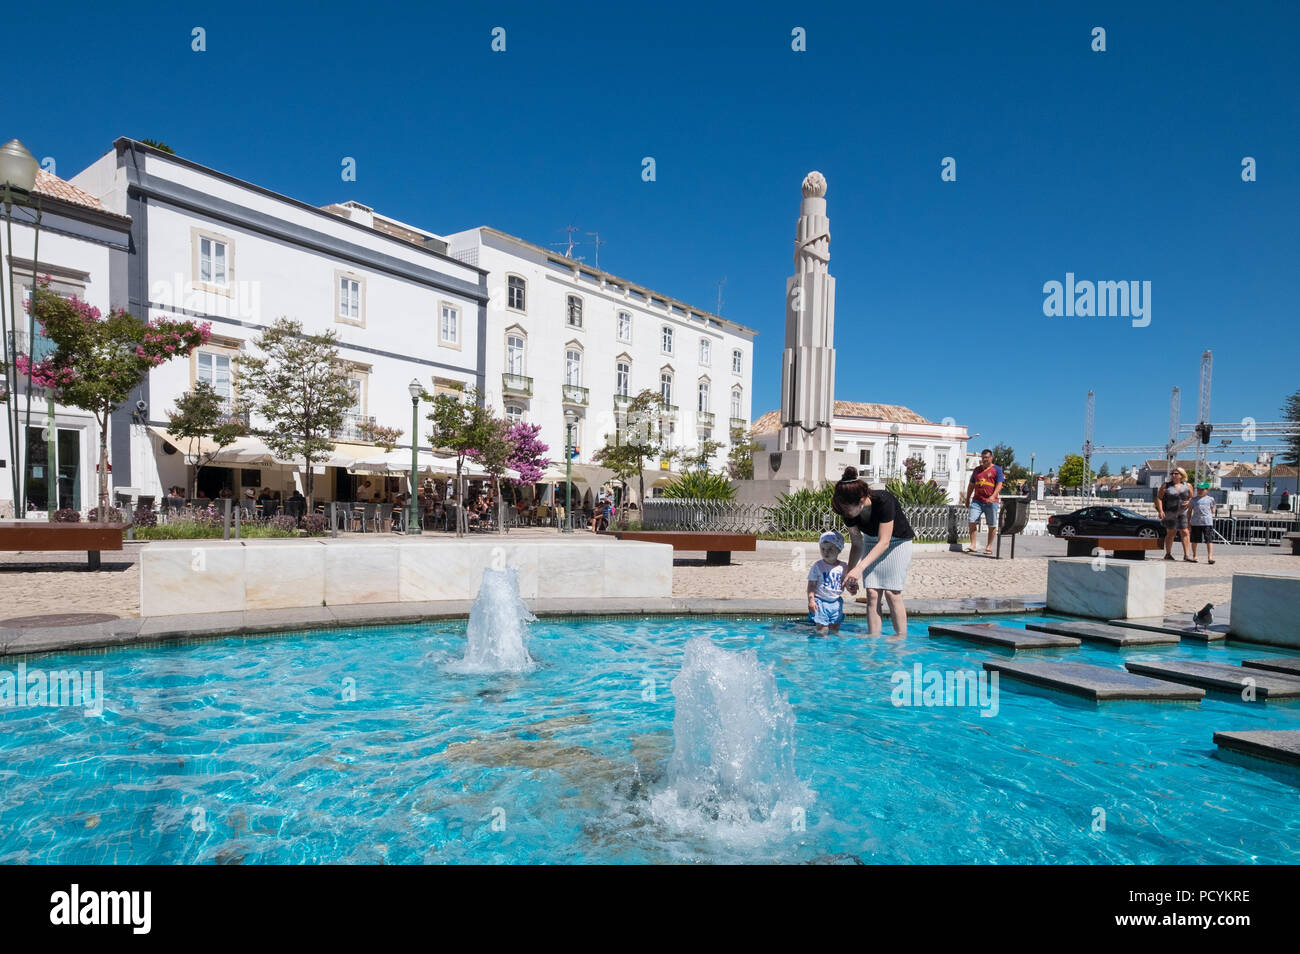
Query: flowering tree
{"x": 529, "y": 455}
{"x": 99, "y": 360}
{"x": 385, "y": 437}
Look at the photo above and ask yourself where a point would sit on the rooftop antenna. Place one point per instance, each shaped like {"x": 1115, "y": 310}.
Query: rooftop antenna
{"x": 568, "y": 251}
{"x": 598, "y": 243}
{"x": 722, "y": 281}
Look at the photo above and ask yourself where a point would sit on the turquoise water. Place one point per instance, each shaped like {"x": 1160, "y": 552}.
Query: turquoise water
{"x": 244, "y": 750}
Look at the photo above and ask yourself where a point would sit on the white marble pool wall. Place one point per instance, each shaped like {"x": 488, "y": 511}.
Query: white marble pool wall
{"x": 1105, "y": 588}
{"x": 1266, "y": 607}
{"x": 222, "y": 577}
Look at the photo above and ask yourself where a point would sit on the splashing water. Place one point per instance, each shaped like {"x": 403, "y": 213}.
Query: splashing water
{"x": 732, "y": 768}
{"x": 498, "y": 632}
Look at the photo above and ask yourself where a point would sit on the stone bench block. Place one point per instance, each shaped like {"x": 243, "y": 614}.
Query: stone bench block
{"x": 1266, "y": 607}
{"x": 1105, "y": 589}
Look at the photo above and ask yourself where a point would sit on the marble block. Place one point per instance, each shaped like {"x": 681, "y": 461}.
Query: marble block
{"x": 636, "y": 568}
{"x": 357, "y": 573}
{"x": 285, "y": 576}
{"x": 1266, "y": 607}
{"x": 1113, "y": 589}
{"x": 176, "y": 580}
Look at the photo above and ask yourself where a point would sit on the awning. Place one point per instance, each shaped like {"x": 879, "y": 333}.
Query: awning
{"x": 590, "y": 475}
{"x": 243, "y": 450}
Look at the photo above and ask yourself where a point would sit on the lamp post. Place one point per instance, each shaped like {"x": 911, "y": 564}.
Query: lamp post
{"x": 412, "y": 511}
{"x": 569, "y": 418}
{"x": 18, "y": 169}
{"x": 893, "y": 450}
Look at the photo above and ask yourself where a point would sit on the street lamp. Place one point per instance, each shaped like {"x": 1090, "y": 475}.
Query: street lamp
{"x": 893, "y": 450}
{"x": 18, "y": 169}
{"x": 412, "y": 513}
{"x": 569, "y": 418}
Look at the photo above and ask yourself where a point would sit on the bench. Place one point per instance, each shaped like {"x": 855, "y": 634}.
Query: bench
{"x": 1124, "y": 548}
{"x": 717, "y": 546}
{"x": 39, "y": 535}
{"x": 1294, "y": 539}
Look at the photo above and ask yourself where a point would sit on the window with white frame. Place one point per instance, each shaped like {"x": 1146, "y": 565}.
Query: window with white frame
{"x": 214, "y": 368}
{"x": 941, "y": 461}
{"x": 864, "y": 457}
{"x": 357, "y": 407}
{"x": 735, "y": 361}
{"x": 516, "y": 293}
{"x": 573, "y": 311}
{"x": 624, "y": 326}
{"x": 736, "y": 403}
{"x": 449, "y": 324}
{"x": 703, "y": 396}
{"x": 667, "y": 340}
{"x": 349, "y": 299}
{"x": 622, "y": 378}
{"x": 214, "y": 256}
{"x": 515, "y": 354}
{"x": 573, "y": 367}
{"x": 706, "y": 350}
{"x": 514, "y": 413}
{"x": 666, "y": 386}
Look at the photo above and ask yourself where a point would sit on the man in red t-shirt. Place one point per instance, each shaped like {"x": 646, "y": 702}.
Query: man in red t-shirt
{"x": 983, "y": 493}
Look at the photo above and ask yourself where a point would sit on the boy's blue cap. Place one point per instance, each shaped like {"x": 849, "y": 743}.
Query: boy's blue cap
{"x": 830, "y": 536}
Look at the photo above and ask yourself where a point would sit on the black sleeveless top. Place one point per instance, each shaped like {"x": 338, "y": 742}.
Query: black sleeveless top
{"x": 884, "y": 508}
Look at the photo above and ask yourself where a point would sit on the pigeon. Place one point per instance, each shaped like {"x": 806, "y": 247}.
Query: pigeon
{"x": 1203, "y": 617}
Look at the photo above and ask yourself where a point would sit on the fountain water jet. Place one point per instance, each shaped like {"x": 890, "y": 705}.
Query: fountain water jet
{"x": 497, "y": 630}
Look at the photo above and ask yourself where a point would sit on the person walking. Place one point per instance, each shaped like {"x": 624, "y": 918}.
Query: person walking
{"x": 983, "y": 493}
{"x": 1201, "y": 520}
{"x": 881, "y": 550}
{"x": 1173, "y": 501}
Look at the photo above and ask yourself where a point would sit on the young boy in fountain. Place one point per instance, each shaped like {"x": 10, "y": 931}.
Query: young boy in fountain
{"x": 826, "y": 586}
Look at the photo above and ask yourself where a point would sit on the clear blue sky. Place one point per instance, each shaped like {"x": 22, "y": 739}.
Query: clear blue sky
{"x": 1117, "y": 165}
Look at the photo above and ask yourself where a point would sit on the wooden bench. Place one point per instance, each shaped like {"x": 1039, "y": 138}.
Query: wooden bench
{"x": 1294, "y": 539}
{"x": 717, "y": 546}
{"x": 40, "y": 535}
{"x": 1124, "y": 548}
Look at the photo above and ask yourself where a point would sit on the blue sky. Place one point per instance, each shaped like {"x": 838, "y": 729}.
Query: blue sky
{"x": 1122, "y": 165}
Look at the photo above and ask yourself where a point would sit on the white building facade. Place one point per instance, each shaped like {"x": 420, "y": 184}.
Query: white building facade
{"x": 213, "y": 248}
{"x": 565, "y": 336}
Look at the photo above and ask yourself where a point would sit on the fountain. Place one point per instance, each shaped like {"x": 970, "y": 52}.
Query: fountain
{"x": 497, "y": 631}
{"x": 732, "y": 766}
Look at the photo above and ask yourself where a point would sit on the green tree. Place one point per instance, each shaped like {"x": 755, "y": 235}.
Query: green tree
{"x": 700, "y": 457}
{"x": 99, "y": 360}
{"x": 463, "y": 426}
{"x": 641, "y": 439}
{"x": 160, "y": 146}
{"x": 916, "y": 493}
{"x": 1105, "y": 469}
{"x": 200, "y": 414}
{"x": 701, "y": 485}
{"x": 1291, "y": 412}
{"x": 1004, "y": 456}
{"x": 740, "y": 459}
{"x": 496, "y": 448}
{"x": 298, "y": 385}
{"x": 1072, "y": 472}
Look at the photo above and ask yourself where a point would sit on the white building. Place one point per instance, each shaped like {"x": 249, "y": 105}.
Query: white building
{"x": 83, "y": 249}
{"x": 563, "y": 335}
{"x": 208, "y": 246}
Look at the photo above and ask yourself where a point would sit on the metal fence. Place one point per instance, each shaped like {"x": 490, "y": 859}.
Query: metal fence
{"x": 787, "y": 521}
{"x": 1253, "y": 530}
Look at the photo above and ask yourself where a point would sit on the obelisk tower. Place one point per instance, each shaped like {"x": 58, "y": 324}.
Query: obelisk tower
{"x": 808, "y": 362}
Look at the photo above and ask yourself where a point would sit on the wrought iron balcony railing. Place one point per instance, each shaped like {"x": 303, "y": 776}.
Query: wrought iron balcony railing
{"x": 739, "y": 424}
{"x": 354, "y": 428}
{"x": 573, "y": 394}
{"x": 519, "y": 384}
{"x": 704, "y": 418}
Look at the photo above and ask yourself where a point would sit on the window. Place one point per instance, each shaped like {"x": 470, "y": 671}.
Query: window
{"x": 573, "y": 367}
{"x": 449, "y": 325}
{"x": 213, "y": 258}
{"x": 668, "y": 340}
{"x": 624, "y": 326}
{"x": 622, "y": 378}
{"x": 349, "y": 299}
{"x": 666, "y": 386}
{"x": 514, "y": 413}
{"x": 573, "y": 311}
{"x": 941, "y": 461}
{"x": 354, "y": 385}
{"x": 703, "y": 396}
{"x": 705, "y": 434}
{"x": 516, "y": 293}
{"x": 736, "y": 403}
{"x": 706, "y": 350}
{"x": 864, "y": 457}
{"x": 215, "y": 370}
{"x": 735, "y": 361}
{"x": 514, "y": 354}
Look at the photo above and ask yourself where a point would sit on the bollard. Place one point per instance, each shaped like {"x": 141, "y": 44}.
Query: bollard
{"x": 334, "y": 519}
{"x": 225, "y": 521}
{"x": 238, "y": 511}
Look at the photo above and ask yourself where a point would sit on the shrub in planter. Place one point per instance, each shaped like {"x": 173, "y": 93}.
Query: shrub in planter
{"x": 67, "y": 515}
{"x": 315, "y": 524}
{"x": 114, "y": 515}
{"x": 144, "y": 517}
{"x": 284, "y": 522}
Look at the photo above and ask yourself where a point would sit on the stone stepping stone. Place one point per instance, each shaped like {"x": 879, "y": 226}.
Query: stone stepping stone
{"x": 1008, "y": 637}
{"x": 1181, "y": 626}
{"x": 1104, "y": 633}
{"x": 1275, "y": 746}
{"x": 1287, "y": 664}
{"x": 1222, "y": 676}
{"x": 1098, "y": 683}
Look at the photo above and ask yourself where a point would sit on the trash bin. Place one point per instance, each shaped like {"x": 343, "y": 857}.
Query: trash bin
{"x": 1012, "y": 517}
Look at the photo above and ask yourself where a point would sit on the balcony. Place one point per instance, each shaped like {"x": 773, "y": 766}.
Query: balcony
{"x": 356, "y": 428}
{"x": 704, "y": 418}
{"x": 231, "y": 411}
{"x": 622, "y": 402}
{"x": 573, "y": 394}
{"x": 739, "y": 424}
{"x": 517, "y": 385}
{"x": 670, "y": 410}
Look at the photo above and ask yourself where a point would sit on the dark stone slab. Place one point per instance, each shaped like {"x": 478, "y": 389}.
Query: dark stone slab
{"x": 1181, "y": 626}
{"x": 1285, "y": 664}
{"x": 1221, "y": 676}
{"x": 1275, "y": 746}
{"x": 1104, "y": 633}
{"x": 57, "y": 619}
{"x": 1008, "y": 637}
{"x": 1099, "y": 683}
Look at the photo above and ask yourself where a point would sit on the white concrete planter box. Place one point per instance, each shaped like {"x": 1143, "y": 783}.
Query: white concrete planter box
{"x": 1266, "y": 607}
{"x": 214, "y": 576}
{"x": 1105, "y": 589}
